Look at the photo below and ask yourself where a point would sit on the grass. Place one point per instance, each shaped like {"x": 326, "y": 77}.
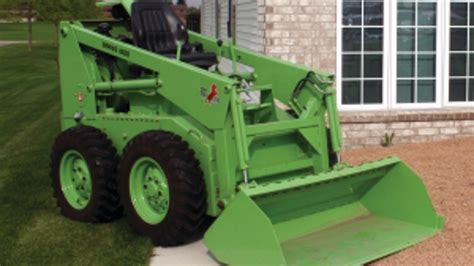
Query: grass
{"x": 42, "y": 31}
{"x": 3, "y": 13}
{"x": 31, "y": 229}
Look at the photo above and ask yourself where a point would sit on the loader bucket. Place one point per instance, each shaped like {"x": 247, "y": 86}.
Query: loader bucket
{"x": 352, "y": 215}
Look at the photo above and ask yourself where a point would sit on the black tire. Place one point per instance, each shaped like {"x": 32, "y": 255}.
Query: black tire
{"x": 101, "y": 158}
{"x": 186, "y": 217}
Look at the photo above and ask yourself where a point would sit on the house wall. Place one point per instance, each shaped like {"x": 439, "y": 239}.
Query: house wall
{"x": 249, "y": 15}
{"x": 208, "y": 18}
{"x": 223, "y": 19}
{"x": 365, "y": 129}
{"x": 248, "y": 26}
{"x": 302, "y": 31}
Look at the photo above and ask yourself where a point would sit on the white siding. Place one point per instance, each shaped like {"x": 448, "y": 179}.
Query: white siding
{"x": 247, "y": 31}
{"x": 208, "y": 18}
{"x": 223, "y": 18}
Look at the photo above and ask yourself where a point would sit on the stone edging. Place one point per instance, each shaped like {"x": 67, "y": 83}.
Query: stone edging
{"x": 406, "y": 116}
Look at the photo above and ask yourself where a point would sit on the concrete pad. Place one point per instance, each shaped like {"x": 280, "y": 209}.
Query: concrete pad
{"x": 192, "y": 254}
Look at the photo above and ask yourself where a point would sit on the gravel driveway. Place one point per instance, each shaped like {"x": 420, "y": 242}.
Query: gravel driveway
{"x": 447, "y": 169}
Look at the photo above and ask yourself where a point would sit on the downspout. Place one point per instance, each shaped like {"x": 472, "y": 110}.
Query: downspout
{"x": 229, "y": 19}
{"x": 233, "y": 20}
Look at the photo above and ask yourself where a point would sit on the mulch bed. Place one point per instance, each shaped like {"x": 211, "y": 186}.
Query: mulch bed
{"x": 447, "y": 169}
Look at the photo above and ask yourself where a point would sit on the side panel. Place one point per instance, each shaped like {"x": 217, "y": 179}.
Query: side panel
{"x": 180, "y": 83}
{"x": 76, "y": 77}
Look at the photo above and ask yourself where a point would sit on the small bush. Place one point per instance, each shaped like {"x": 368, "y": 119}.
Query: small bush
{"x": 387, "y": 140}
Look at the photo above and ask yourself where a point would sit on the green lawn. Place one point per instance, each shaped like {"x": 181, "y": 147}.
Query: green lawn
{"x": 31, "y": 229}
{"x": 3, "y": 13}
{"x": 19, "y": 31}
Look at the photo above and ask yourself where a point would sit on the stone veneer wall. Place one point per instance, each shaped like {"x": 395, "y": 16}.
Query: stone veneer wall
{"x": 301, "y": 31}
{"x": 364, "y": 129}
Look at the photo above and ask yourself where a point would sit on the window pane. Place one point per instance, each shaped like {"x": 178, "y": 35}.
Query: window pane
{"x": 472, "y": 14}
{"x": 351, "y": 66}
{"x": 458, "y": 14}
{"x": 406, "y": 66}
{"x": 405, "y": 91}
{"x": 458, "y": 65}
{"x": 373, "y": 66}
{"x": 406, "y": 13}
{"x": 352, "y": 40}
{"x": 373, "y": 39}
{"x": 471, "y": 39}
{"x": 426, "y": 14}
{"x": 351, "y": 12}
{"x": 417, "y": 45}
{"x": 471, "y": 64}
{"x": 362, "y": 51}
{"x": 458, "y": 39}
{"x": 427, "y": 66}
{"x": 373, "y": 91}
{"x": 461, "y": 63}
{"x": 471, "y": 90}
{"x": 426, "y": 91}
{"x": 406, "y": 39}
{"x": 373, "y": 12}
{"x": 457, "y": 90}
{"x": 351, "y": 92}
{"x": 426, "y": 39}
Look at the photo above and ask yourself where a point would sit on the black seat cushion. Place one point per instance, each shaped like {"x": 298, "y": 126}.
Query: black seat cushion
{"x": 157, "y": 28}
{"x": 202, "y": 60}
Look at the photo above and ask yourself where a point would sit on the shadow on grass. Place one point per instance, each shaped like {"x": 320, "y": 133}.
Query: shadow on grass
{"x": 19, "y": 31}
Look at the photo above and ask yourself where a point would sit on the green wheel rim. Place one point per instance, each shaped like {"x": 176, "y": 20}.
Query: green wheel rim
{"x": 75, "y": 180}
{"x": 149, "y": 190}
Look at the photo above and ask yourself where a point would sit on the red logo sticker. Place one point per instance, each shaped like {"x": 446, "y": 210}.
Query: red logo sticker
{"x": 210, "y": 96}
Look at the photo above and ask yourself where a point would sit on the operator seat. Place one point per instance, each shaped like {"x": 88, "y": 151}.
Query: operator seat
{"x": 157, "y": 28}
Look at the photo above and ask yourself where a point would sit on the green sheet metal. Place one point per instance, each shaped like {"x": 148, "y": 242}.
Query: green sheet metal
{"x": 348, "y": 216}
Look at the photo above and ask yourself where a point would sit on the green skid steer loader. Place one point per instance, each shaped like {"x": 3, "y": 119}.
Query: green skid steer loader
{"x": 173, "y": 128}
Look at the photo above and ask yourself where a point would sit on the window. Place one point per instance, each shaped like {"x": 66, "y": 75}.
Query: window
{"x": 416, "y": 55}
{"x": 362, "y": 52}
{"x": 461, "y": 52}
{"x": 399, "y": 61}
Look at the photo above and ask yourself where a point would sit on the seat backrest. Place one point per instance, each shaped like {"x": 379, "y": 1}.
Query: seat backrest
{"x": 156, "y": 27}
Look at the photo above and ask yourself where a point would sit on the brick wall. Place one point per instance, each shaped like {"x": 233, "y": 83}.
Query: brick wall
{"x": 364, "y": 129}
{"x": 302, "y": 31}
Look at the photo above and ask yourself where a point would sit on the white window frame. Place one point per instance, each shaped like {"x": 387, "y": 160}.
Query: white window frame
{"x": 390, "y": 61}
{"x": 447, "y": 53}
{"x": 362, "y": 107}
{"x": 393, "y": 76}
